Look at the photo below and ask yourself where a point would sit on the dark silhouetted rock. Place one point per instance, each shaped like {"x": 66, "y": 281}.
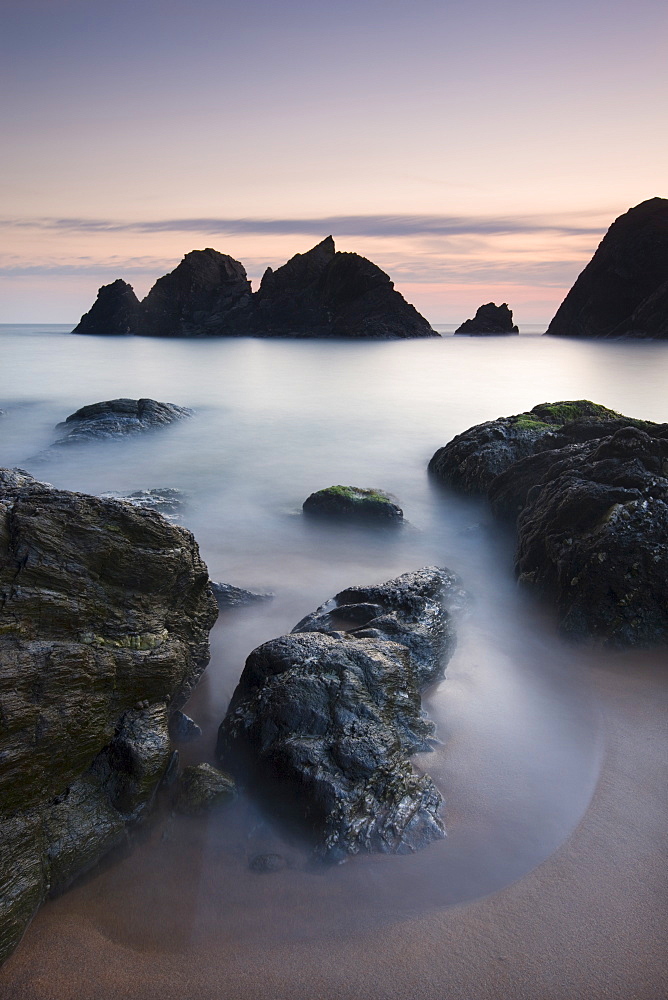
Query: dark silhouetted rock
{"x": 104, "y": 622}
{"x": 229, "y": 596}
{"x": 204, "y": 296}
{"x": 613, "y": 296}
{"x": 116, "y": 311}
{"x": 116, "y": 418}
{"x": 200, "y": 788}
{"x": 489, "y": 319}
{"x": 351, "y": 503}
{"x": 324, "y": 720}
{"x": 321, "y": 293}
{"x": 591, "y": 505}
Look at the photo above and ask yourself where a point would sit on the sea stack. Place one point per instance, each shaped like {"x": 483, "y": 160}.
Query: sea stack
{"x": 321, "y": 293}
{"x": 489, "y": 320}
{"x": 623, "y": 291}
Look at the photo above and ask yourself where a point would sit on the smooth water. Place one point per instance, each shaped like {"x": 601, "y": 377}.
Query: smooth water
{"x": 275, "y": 420}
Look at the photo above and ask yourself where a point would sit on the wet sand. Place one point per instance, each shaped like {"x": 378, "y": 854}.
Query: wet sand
{"x": 590, "y": 922}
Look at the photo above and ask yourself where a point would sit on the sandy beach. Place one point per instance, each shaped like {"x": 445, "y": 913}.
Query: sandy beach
{"x": 590, "y": 922}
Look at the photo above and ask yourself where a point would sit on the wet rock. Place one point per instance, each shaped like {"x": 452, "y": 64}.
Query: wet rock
{"x": 489, "y": 319}
{"x": 116, "y": 312}
{"x": 104, "y": 608}
{"x": 182, "y": 728}
{"x": 590, "y": 508}
{"x": 229, "y": 596}
{"x": 353, "y": 503}
{"x": 200, "y": 788}
{"x": 474, "y": 458}
{"x": 267, "y": 863}
{"x": 166, "y": 501}
{"x": 115, "y": 418}
{"x": 623, "y": 290}
{"x": 324, "y": 720}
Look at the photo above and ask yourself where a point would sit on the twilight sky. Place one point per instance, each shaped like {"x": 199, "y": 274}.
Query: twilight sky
{"x": 475, "y": 150}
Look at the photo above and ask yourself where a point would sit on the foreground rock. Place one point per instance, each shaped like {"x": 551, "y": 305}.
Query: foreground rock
{"x": 591, "y": 504}
{"x": 116, "y": 418}
{"x": 324, "y": 720}
{"x": 200, "y": 788}
{"x": 489, "y": 319}
{"x": 104, "y": 626}
{"x": 321, "y": 293}
{"x": 623, "y": 291}
{"x": 352, "y": 503}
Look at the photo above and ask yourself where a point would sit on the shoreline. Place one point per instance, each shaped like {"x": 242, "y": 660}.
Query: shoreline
{"x": 588, "y": 922}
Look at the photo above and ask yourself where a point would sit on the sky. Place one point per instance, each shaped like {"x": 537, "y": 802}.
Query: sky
{"x": 475, "y": 150}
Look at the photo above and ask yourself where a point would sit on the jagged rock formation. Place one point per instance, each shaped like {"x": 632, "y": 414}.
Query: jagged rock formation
{"x": 115, "y": 418}
{"x": 105, "y": 612}
{"x": 489, "y": 319}
{"x": 352, "y": 503}
{"x": 203, "y": 296}
{"x": 324, "y": 720}
{"x": 229, "y": 596}
{"x": 116, "y": 312}
{"x": 623, "y": 291}
{"x": 589, "y": 491}
{"x": 321, "y": 293}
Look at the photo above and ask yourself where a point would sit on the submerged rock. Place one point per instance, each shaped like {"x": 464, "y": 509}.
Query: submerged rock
{"x": 116, "y": 418}
{"x": 104, "y": 622}
{"x": 489, "y": 319}
{"x": 623, "y": 290}
{"x": 321, "y": 293}
{"x": 228, "y": 596}
{"x": 324, "y": 720}
{"x": 182, "y": 728}
{"x": 591, "y": 505}
{"x": 166, "y": 501}
{"x": 353, "y": 503}
{"x": 200, "y": 788}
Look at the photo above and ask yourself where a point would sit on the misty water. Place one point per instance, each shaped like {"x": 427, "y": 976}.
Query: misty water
{"x": 517, "y": 719}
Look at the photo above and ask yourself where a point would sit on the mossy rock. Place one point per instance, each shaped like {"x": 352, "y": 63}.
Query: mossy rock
{"x": 201, "y": 787}
{"x": 353, "y": 503}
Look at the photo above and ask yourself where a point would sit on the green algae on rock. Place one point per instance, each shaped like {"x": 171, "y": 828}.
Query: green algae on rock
{"x": 353, "y": 503}
{"x": 104, "y": 622}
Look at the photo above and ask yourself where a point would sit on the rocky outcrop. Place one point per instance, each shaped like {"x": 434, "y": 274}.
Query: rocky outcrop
{"x": 321, "y": 293}
{"x": 116, "y": 312}
{"x": 623, "y": 290}
{"x": 324, "y": 720}
{"x": 473, "y": 459}
{"x": 352, "y": 503}
{"x": 200, "y": 788}
{"x": 204, "y": 296}
{"x": 489, "y": 319}
{"x": 116, "y": 418}
{"x": 591, "y": 507}
{"x": 105, "y": 612}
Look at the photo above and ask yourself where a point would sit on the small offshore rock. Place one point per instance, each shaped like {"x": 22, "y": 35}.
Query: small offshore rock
{"x": 353, "y": 503}
{"x": 267, "y": 863}
{"x": 116, "y": 418}
{"x": 490, "y": 319}
{"x": 201, "y": 787}
{"x": 229, "y": 596}
{"x": 166, "y": 501}
{"x": 182, "y": 728}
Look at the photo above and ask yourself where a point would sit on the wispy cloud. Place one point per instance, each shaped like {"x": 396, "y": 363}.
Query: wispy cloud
{"x": 338, "y": 225}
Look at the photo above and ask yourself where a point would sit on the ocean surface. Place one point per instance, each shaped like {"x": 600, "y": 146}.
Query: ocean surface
{"x": 518, "y": 723}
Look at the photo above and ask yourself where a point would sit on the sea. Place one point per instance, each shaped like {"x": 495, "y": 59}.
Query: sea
{"x": 518, "y": 723}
